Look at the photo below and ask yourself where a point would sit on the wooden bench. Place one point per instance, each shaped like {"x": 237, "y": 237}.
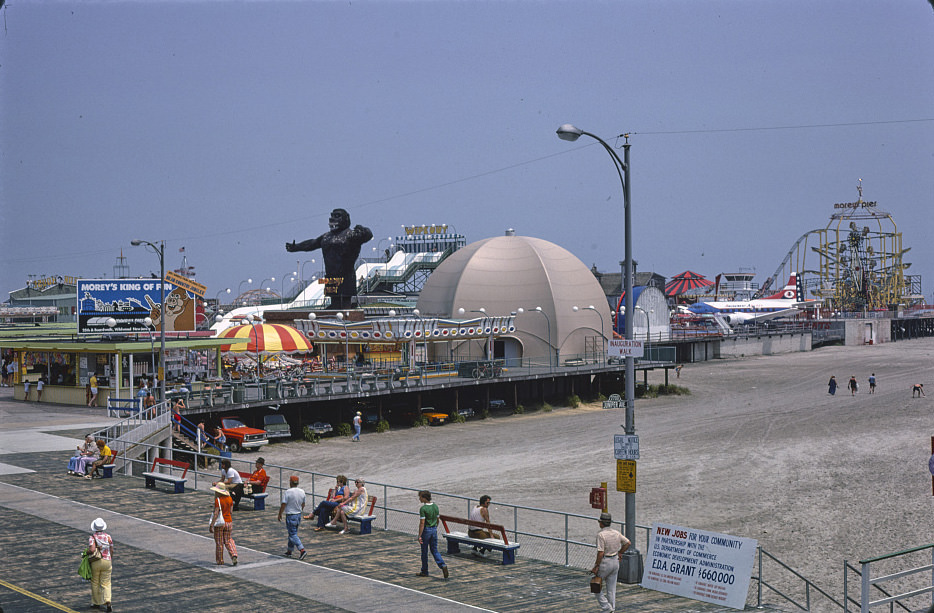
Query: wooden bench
{"x": 456, "y": 538}
{"x": 179, "y": 482}
{"x": 259, "y": 494}
{"x": 366, "y": 521}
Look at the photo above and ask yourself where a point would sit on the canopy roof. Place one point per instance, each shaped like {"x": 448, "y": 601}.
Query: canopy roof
{"x": 685, "y": 283}
{"x": 265, "y": 339}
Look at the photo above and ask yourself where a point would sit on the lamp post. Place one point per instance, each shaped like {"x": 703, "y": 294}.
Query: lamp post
{"x": 292, "y": 280}
{"x": 539, "y": 310}
{"x": 217, "y": 299}
{"x": 240, "y": 287}
{"x": 152, "y": 349}
{"x": 631, "y": 565}
{"x": 160, "y": 251}
{"x": 250, "y": 319}
{"x": 482, "y": 310}
{"x": 575, "y": 308}
{"x": 347, "y": 362}
{"x": 301, "y": 270}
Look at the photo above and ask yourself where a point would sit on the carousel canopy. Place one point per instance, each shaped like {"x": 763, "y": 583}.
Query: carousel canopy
{"x": 273, "y": 338}
{"x": 686, "y": 283}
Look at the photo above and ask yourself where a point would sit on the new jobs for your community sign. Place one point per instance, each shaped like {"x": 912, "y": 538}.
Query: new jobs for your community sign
{"x": 702, "y": 565}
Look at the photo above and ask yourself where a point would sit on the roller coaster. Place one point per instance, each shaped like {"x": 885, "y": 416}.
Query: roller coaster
{"x": 855, "y": 263}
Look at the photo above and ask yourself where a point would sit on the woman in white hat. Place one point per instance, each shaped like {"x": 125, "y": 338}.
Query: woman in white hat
{"x": 101, "y": 565}
{"x": 222, "y": 524}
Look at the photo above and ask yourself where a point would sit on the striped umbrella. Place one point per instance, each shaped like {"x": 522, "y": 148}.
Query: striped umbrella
{"x": 685, "y": 283}
{"x": 273, "y": 338}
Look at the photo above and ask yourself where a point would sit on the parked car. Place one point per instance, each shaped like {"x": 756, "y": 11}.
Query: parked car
{"x": 240, "y": 436}
{"x": 434, "y": 417}
{"x": 321, "y": 427}
{"x": 466, "y": 412}
{"x": 276, "y": 426}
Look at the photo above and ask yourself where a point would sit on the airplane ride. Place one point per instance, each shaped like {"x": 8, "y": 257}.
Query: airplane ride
{"x": 783, "y": 303}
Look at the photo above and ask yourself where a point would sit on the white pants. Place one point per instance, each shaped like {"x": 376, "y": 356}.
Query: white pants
{"x": 609, "y": 572}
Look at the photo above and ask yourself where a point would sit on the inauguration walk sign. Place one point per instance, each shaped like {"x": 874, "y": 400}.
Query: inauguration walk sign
{"x": 129, "y": 302}
{"x": 706, "y": 566}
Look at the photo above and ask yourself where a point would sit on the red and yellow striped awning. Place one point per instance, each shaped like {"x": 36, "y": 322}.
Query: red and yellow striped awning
{"x": 273, "y": 338}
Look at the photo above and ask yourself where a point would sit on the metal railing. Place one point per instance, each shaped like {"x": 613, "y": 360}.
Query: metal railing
{"x": 905, "y": 588}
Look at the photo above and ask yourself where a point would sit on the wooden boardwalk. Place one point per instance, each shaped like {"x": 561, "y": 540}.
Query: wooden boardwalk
{"x": 42, "y": 557}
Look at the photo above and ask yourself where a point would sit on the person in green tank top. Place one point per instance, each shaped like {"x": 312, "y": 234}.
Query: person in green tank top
{"x": 428, "y": 533}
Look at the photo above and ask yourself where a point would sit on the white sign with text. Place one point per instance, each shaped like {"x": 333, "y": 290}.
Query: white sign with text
{"x": 620, "y": 348}
{"x": 706, "y": 566}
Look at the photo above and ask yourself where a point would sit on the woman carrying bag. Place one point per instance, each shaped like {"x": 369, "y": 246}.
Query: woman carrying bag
{"x": 100, "y": 547}
{"x": 222, "y": 524}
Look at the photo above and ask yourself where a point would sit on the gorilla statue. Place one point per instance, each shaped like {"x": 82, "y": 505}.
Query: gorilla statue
{"x": 340, "y": 247}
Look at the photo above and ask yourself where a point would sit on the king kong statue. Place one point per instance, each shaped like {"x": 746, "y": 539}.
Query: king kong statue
{"x": 340, "y": 247}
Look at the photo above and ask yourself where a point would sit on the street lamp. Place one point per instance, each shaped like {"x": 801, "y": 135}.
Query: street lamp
{"x": 250, "y": 319}
{"x": 240, "y": 287}
{"x": 575, "y": 308}
{"x": 631, "y": 565}
{"x": 217, "y": 299}
{"x": 648, "y": 322}
{"x": 539, "y": 310}
{"x": 292, "y": 280}
{"x": 301, "y": 270}
{"x": 152, "y": 349}
{"x": 347, "y": 361}
{"x": 160, "y": 251}
{"x": 489, "y": 344}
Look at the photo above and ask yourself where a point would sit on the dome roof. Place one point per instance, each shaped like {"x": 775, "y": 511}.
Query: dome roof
{"x": 506, "y": 273}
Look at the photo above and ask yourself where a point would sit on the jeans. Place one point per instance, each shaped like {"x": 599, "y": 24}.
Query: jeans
{"x": 609, "y": 570}
{"x": 430, "y": 541}
{"x": 323, "y": 512}
{"x": 356, "y": 435}
{"x": 291, "y": 524}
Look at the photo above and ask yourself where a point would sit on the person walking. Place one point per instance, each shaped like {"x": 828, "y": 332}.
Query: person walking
{"x": 872, "y": 383}
{"x": 222, "y": 525}
{"x": 853, "y": 385}
{"x": 93, "y": 383}
{"x": 293, "y": 502}
{"x": 428, "y": 533}
{"x": 102, "y": 549}
{"x": 611, "y": 545}
{"x": 357, "y": 424}
{"x": 832, "y": 385}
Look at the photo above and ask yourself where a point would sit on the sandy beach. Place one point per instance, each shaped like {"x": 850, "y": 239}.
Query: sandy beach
{"x": 758, "y": 449}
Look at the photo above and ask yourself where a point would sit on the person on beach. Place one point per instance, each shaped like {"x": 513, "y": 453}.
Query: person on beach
{"x": 872, "y": 383}
{"x": 917, "y": 388}
{"x": 611, "y": 545}
{"x": 428, "y": 533}
{"x": 326, "y": 507}
{"x": 101, "y": 547}
{"x": 853, "y": 385}
{"x": 293, "y": 503}
{"x": 832, "y": 385}
{"x": 222, "y": 525}
{"x": 357, "y": 424}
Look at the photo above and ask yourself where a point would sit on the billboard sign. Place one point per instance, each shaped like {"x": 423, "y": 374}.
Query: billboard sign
{"x": 706, "y": 566}
{"x": 620, "y": 348}
{"x": 129, "y": 302}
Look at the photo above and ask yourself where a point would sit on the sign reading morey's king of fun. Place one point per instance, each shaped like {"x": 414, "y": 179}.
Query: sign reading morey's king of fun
{"x": 705, "y": 566}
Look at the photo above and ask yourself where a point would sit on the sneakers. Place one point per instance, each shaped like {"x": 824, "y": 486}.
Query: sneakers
{"x": 287, "y": 554}
{"x": 301, "y": 556}
{"x": 444, "y": 569}
{"x": 235, "y": 560}
{"x": 421, "y": 575}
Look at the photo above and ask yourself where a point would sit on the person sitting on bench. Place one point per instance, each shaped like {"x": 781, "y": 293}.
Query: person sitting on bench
{"x": 326, "y": 507}
{"x": 481, "y": 512}
{"x": 355, "y": 505}
{"x": 233, "y": 481}
{"x": 106, "y": 457}
{"x": 78, "y": 463}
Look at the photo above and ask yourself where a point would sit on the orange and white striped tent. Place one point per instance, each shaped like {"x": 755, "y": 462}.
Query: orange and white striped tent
{"x": 266, "y": 339}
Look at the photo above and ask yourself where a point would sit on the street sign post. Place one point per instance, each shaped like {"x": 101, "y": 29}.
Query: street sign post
{"x": 614, "y": 402}
{"x": 626, "y": 446}
{"x": 622, "y": 348}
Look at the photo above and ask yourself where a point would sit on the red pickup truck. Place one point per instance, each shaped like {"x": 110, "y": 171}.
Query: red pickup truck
{"x": 240, "y": 436}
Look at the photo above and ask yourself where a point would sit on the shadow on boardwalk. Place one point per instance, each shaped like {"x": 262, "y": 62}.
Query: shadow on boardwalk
{"x": 43, "y": 556}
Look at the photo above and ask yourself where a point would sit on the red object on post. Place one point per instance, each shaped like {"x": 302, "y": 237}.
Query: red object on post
{"x": 598, "y": 498}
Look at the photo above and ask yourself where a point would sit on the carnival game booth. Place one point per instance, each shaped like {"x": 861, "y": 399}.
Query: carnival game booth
{"x": 66, "y": 362}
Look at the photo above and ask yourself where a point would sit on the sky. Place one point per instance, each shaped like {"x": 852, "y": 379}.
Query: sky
{"x": 230, "y": 128}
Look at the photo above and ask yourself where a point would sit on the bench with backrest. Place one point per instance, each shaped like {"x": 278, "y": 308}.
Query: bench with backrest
{"x": 179, "y": 482}
{"x": 456, "y": 538}
{"x": 366, "y": 521}
{"x": 259, "y": 494}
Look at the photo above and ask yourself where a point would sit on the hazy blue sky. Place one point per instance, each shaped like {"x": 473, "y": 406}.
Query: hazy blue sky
{"x": 230, "y": 128}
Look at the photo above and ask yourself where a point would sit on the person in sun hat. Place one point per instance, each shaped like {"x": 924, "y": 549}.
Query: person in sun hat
{"x": 101, "y": 566}
{"x": 610, "y": 547}
{"x": 222, "y": 524}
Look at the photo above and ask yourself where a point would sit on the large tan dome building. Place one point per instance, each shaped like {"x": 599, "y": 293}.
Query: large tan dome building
{"x": 504, "y": 274}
